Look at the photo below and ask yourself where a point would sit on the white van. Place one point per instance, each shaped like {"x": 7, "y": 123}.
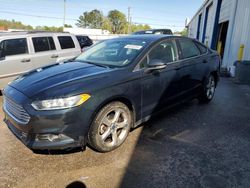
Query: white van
{"x": 23, "y": 51}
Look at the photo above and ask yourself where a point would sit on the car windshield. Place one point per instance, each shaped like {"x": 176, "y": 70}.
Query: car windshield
{"x": 115, "y": 52}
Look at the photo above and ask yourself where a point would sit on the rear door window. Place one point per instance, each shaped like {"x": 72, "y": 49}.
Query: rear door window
{"x": 13, "y": 47}
{"x": 165, "y": 51}
{"x": 66, "y": 42}
{"x": 188, "y": 48}
{"x": 42, "y": 44}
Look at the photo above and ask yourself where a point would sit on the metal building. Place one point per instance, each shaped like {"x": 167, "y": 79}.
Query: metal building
{"x": 224, "y": 25}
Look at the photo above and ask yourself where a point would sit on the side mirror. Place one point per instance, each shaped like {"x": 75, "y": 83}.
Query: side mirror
{"x": 155, "y": 64}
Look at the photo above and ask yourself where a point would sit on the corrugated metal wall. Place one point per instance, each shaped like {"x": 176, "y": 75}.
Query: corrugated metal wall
{"x": 210, "y": 24}
{"x": 193, "y": 26}
{"x": 241, "y": 33}
{"x": 226, "y": 7}
{"x": 238, "y": 30}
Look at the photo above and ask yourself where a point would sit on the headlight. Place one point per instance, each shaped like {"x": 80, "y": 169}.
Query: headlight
{"x": 60, "y": 103}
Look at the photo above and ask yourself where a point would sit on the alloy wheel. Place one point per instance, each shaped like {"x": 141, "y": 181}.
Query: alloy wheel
{"x": 114, "y": 127}
{"x": 210, "y": 87}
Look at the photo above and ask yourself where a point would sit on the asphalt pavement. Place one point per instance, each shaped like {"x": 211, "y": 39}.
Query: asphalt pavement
{"x": 192, "y": 145}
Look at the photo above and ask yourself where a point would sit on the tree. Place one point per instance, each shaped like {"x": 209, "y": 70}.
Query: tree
{"x": 139, "y": 27}
{"x": 46, "y": 28}
{"x": 184, "y": 32}
{"x": 68, "y": 25}
{"x": 118, "y": 21}
{"x": 106, "y": 24}
{"x": 92, "y": 19}
{"x": 14, "y": 25}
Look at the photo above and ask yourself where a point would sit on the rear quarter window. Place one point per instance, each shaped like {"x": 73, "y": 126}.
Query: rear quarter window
{"x": 203, "y": 49}
{"x": 66, "y": 42}
{"x": 13, "y": 47}
{"x": 188, "y": 48}
{"x": 167, "y": 32}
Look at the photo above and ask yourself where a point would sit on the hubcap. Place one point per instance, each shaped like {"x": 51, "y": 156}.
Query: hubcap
{"x": 210, "y": 88}
{"x": 114, "y": 127}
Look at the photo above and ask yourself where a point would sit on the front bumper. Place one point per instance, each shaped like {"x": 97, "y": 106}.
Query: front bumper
{"x": 48, "y": 130}
{"x": 32, "y": 141}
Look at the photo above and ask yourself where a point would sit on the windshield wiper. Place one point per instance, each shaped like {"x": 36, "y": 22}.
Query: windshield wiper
{"x": 100, "y": 65}
{"x": 96, "y": 64}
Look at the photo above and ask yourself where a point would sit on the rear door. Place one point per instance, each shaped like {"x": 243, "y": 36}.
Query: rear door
{"x": 15, "y": 59}
{"x": 68, "y": 46}
{"x": 43, "y": 50}
{"x": 160, "y": 88}
{"x": 192, "y": 65}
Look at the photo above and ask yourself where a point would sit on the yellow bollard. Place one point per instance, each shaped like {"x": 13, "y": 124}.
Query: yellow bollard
{"x": 241, "y": 52}
{"x": 206, "y": 43}
{"x": 219, "y": 46}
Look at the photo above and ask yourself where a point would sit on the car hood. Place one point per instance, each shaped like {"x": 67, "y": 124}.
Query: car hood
{"x": 57, "y": 76}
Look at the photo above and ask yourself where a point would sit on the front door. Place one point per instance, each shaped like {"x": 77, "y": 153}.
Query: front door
{"x": 160, "y": 87}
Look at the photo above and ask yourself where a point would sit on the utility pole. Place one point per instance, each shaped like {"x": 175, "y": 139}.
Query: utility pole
{"x": 129, "y": 19}
{"x": 130, "y": 23}
{"x": 64, "y": 13}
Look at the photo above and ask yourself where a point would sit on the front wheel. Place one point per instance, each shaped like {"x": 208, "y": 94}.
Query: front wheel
{"x": 110, "y": 127}
{"x": 208, "y": 90}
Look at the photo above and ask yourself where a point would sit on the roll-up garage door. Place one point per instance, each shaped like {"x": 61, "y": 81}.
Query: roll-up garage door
{"x": 225, "y": 10}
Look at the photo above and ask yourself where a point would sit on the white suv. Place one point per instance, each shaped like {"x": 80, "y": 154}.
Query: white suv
{"x": 23, "y": 51}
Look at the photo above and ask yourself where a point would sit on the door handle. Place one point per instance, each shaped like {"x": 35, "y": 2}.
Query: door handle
{"x": 204, "y": 61}
{"x": 25, "y": 60}
{"x": 177, "y": 68}
{"x": 54, "y": 56}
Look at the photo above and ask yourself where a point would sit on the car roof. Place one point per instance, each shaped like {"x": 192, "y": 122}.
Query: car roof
{"x": 158, "y": 30}
{"x": 149, "y": 37}
{"x": 30, "y": 33}
{"x": 143, "y": 31}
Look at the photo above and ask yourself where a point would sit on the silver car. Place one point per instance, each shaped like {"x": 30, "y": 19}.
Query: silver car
{"x": 23, "y": 51}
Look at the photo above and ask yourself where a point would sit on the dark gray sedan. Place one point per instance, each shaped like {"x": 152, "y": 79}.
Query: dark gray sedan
{"x": 110, "y": 88}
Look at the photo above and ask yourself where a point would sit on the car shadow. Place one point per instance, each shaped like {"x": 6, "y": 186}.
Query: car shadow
{"x": 59, "y": 152}
{"x": 148, "y": 165}
{"x": 195, "y": 145}
{"x": 76, "y": 184}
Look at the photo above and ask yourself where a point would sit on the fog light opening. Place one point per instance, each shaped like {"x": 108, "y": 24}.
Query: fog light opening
{"x": 52, "y": 137}
{"x": 48, "y": 137}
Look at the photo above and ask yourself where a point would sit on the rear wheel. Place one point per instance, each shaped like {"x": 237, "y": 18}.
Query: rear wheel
{"x": 110, "y": 127}
{"x": 208, "y": 90}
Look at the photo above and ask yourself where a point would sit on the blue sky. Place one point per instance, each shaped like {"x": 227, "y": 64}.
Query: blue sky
{"x": 156, "y": 13}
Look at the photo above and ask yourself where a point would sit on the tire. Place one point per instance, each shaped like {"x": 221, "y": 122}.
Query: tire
{"x": 110, "y": 127}
{"x": 208, "y": 90}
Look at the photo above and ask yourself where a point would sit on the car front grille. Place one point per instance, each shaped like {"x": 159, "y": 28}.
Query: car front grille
{"x": 15, "y": 111}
